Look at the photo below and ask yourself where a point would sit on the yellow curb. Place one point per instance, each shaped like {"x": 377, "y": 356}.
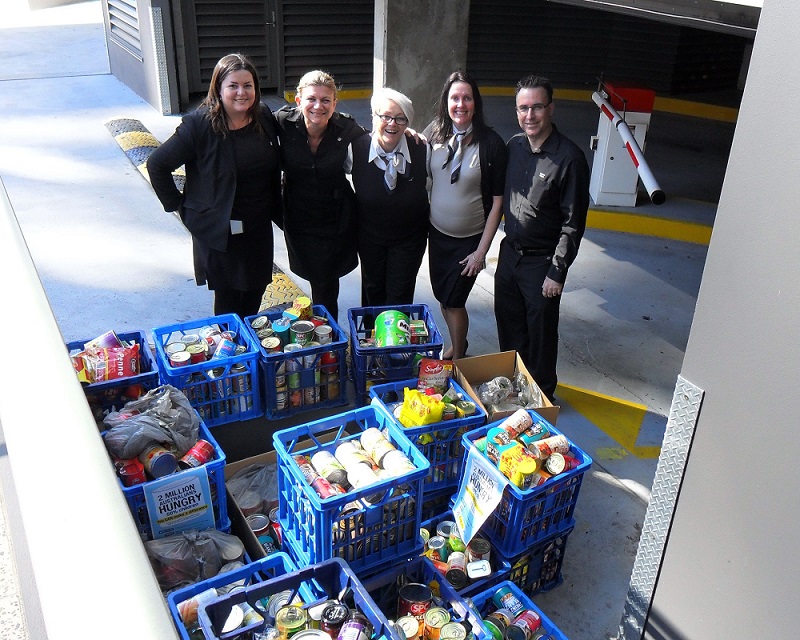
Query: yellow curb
{"x": 619, "y": 419}
{"x": 649, "y": 226}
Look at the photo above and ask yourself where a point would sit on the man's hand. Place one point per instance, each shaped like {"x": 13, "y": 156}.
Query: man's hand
{"x": 551, "y": 288}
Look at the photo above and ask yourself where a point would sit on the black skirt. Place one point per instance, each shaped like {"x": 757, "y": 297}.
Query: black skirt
{"x": 246, "y": 265}
{"x": 445, "y": 254}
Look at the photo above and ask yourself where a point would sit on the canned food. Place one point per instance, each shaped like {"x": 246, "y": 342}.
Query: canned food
{"x": 312, "y": 634}
{"x": 504, "y": 598}
{"x": 414, "y": 599}
{"x": 190, "y": 338}
{"x": 333, "y": 617}
{"x": 234, "y": 620}
{"x": 350, "y": 453}
{"x": 266, "y": 332}
{"x": 259, "y": 524}
{"x": 130, "y": 472}
{"x": 323, "y": 334}
{"x": 180, "y": 359}
{"x": 478, "y": 549}
{"x": 290, "y": 619}
{"x": 397, "y": 463}
{"x": 444, "y": 528}
{"x": 158, "y": 461}
{"x": 525, "y": 625}
{"x": 478, "y": 569}
{"x": 555, "y": 463}
{"x": 465, "y": 408}
{"x": 174, "y": 347}
{"x": 453, "y": 631}
{"x": 225, "y": 349}
{"x": 329, "y": 467}
{"x": 545, "y": 447}
{"x": 457, "y": 570}
{"x": 438, "y": 546}
{"x": 276, "y": 602}
{"x": 281, "y": 329}
{"x": 376, "y": 444}
{"x": 302, "y": 307}
{"x": 301, "y": 332}
{"x": 260, "y": 322}
{"x": 409, "y": 625}
{"x": 356, "y": 627}
{"x": 434, "y": 619}
{"x": 201, "y": 452}
{"x": 271, "y": 344}
{"x": 275, "y": 524}
{"x": 197, "y": 352}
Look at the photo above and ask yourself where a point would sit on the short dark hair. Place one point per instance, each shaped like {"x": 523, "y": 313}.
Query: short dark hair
{"x": 535, "y": 82}
{"x": 442, "y": 125}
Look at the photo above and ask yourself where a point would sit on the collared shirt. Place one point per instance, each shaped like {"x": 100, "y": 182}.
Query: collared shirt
{"x": 547, "y": 198}
{"x": 376, "y": 150}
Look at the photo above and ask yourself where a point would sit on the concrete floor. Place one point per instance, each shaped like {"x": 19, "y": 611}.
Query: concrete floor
{"x": 109, "y": 257}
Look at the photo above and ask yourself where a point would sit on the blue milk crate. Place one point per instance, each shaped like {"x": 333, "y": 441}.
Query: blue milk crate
{"x": 113, "y": 394}
{"x": 377, "y": 365}
{"x": 500, "y": 566}
{"x": 319, "y": 383}
{"x": 215, "y": 469}
{"x": 272, "y": 566}
{"x": 525, "y": 517}
{"x": 440, "y": 442}
{"x": 314, "y": 585}
{"x": 222, "y": 389}
{"x": 483, "y": 603}
{"x": 384, "y": 589}
{"x": 345, "y": 526}
{"x": 539, "y": 568}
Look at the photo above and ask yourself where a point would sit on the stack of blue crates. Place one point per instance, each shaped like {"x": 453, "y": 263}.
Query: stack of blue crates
{"x": 530, "y": 527}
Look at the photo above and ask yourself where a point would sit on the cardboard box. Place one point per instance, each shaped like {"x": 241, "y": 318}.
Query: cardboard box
{"x": 471, "y": 372}
{"x": 239, "y": 524}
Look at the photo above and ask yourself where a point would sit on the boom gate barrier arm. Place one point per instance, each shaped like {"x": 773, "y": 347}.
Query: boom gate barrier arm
{"x": 649, "y": 181}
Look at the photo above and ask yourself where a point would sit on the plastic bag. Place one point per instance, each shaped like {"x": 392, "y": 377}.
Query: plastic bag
{"x": 420, "y": 409}
{"x": 495, "y": 390}
{"x": 162, "y": 415}
{"x": 191, "y": 556}
{"x": 255, "y": 488}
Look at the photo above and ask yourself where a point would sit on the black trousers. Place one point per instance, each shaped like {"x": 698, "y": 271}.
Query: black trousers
{"x": 244, "y": 303}
{"x": 389, "y": 272}
{"x": 326, "y": 293}
{"x": 527, "y": 322}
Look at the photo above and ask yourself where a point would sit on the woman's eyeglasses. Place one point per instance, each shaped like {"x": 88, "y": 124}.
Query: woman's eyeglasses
{"x": 401, "y": 120}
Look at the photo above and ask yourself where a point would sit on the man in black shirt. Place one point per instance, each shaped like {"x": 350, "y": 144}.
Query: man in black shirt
{"x": 545, "y": 204}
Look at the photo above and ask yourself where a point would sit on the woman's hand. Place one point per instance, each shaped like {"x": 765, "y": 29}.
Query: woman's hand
{"x": 474, "y": 263}
{"x": 416, "y": 136}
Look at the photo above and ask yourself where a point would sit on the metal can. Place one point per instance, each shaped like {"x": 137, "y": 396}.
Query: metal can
{"x": 260, "y": 322}
{"x": 545, "y": 447}
{"x": 301, "y": 332}
{"x": 323, "y": 334}
{"x": 410, "y": 626}
{"x": 478, "y": 549}
{"x": 376, "y": 444}
{"x": 504, "y": 598}
{"x": 555, "y": 463}
{"x": 201, "y": 452}
{"x": 524, "y": 626}
{"x": 272, "y": 344}
{"x": 435, "y": 618}
{"x": 190, "y": 338}
{"x": 333, "y": 617}
{"x": 329, "y": 467}
{"x": 397, "y": 463}
{"x": 457, "y": 570}
{"x": 274, "y": 522}
{"x": 197, "y": 352}
{"x": 356, "y": 627}
{"x": 302, "y": 307}
{"x": 240, "y": 385}
{"x": 437, "y": 545}
{"x": 258, "y": 523}
{"x": 174, "y": 347}
{"x": 453, "y": 631}
{"x": 180, "y": 359}
{"x": 158, "y": 461}
{"x": 449, "y": 411}
{"x": 290, "y": 619}
{"x": 444, "y": 528}
{"x": 350, "y": 453}
{"x": 312, "y": 634}
{"x": 329, "y": 362}
{"x": 130, "y": 472}
{"x": 414, "y": 599}
{"x": 225, "y": 349}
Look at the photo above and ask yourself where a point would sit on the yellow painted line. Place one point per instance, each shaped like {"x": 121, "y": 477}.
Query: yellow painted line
{"x": 697, "y": 109}
{"x": 649, "y": 226}
{"x": 344, "y": 94}
{"x": 619, "y": 419}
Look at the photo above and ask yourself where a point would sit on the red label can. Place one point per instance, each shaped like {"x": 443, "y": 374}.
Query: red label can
{"x": 414, "y": 599}
{"x": 130, "y": 472}
{"x": 198, "y": 455}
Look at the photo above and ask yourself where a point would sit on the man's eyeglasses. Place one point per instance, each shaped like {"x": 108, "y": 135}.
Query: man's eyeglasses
{"x": 523, "y": 109}
{"x": 401, "y": 120}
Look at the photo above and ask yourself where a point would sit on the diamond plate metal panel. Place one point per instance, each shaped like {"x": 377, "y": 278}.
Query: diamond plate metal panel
{"x": 666, "y": 485}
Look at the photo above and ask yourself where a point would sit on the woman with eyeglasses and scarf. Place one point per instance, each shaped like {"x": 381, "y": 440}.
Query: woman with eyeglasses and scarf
{"x": 389, "y": 176}
{"x": 468, "y": 171}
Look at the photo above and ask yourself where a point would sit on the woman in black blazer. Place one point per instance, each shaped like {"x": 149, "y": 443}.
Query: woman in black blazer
{"x": 229, "y": 147}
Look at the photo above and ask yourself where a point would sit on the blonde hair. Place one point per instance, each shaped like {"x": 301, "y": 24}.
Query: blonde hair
{"x": 316, "y": 78}
{"x": 400, "y": 99}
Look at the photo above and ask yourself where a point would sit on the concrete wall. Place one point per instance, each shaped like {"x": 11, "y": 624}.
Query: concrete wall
{"x": 417, "y": 45}
{"x": 732, "y": 557}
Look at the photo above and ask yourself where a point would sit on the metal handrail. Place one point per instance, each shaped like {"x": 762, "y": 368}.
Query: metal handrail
{"x": 91, "y": 572}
